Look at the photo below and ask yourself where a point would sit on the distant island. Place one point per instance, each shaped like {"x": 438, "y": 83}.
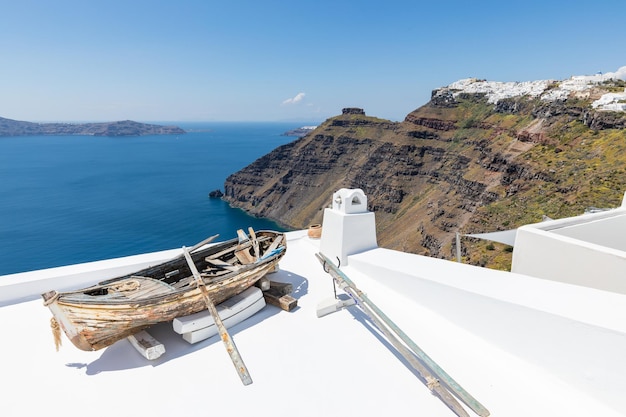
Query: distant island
{"x": 10, "y": 127}
{"x": 300, "y": 132}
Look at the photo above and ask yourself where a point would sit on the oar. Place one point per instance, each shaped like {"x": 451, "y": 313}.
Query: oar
{"x": 204, "y": 242}
{"x": 228, "y": 342}
{"x": 198, "y": 245}
{"x": 429, "y": 379}
{"x": 255, "y": 243}
{"x": 243, "y": 248}
{"x": 387, "y": 326}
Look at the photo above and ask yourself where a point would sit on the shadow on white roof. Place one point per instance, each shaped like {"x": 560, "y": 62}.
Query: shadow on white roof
{"x": 522, "y": 345}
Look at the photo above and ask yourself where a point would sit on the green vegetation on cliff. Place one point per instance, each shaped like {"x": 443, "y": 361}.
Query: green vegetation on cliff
{"x": 458, "y": 164}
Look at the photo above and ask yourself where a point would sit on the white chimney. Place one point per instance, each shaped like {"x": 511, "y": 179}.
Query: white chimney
{"x": 348, "y": 228}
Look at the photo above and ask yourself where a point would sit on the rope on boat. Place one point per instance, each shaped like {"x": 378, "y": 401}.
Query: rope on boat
{"x": 130, "y": 285}
{"x": 52, "y": 299}
{"x": 56, "y": 332}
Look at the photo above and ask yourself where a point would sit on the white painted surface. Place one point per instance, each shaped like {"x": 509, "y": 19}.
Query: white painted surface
{"x": 348, "y": 227}
{"x": 587, "y": 250}
{"x": 226, "y": 309}
{"x": 546, "y": 90}
{"x": 200, "y": 326}
{"x": 347, "y": 234}
{"x": 349, "y": 201}
{"x": 522, "y": 346}
{"x": 29, "y": 285}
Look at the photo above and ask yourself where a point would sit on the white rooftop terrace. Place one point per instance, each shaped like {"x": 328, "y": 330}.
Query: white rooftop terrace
{"x": 587, "y": 250}
{"x": 521, "y": 345}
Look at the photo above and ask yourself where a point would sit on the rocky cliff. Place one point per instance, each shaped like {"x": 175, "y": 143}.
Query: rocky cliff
{"x": 10, "y": 127}
{"x": 478, "y": 157}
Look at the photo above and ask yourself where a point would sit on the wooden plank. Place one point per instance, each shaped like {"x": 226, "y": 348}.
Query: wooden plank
{"x": 243, "y": 249}
{"x": 197, "y": 245}
{"x": 278, "y": 295}
{"x": 242, "y": 245}
{"x": 419, "y": 360}
{"x": 204, "y": 242}
{"x": 243, "y": 237}
{"x": 224, "y": 265}
{"x": 150, "y": 287}
{"x": 229, "y": 344}
{"x": 274, "y": 244}
{"x": 148, "y": 346}
{"x": 244, "y": 256}
{"x": 205, "y": 276}
{"x": 285, "y": 302}
{"x": 281, "y": 288}
{"x": 255, "y": 243}
{"x": 183, "y": 282}
{"x": 263, "y": 284}
{"x": 137, "y": 287}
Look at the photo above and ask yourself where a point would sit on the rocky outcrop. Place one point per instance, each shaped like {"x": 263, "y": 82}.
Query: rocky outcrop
{"x": 353, "y": 110}
{"x": 601, "y": 120}
{"x": 10, "y": 127}
{"x": 435, "y": 124}
{"x": 461, "y": 163}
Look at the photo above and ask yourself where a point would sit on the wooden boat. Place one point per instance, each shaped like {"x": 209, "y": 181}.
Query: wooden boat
{"x": 98, "y": 316}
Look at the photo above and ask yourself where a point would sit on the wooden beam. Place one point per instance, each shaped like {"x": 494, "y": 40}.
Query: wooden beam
{"x": 279, "y": 295}
{"x": 198, "y": 245}
{"x": 231, "y": 348}
{"x": 255, "y": 243}
{"x": 284, "y": 302}
{"x": 274, "y": 245}
{"x": 263, "y": 284}
{"x": 148, "y": 346}
{"x": 244, "y": 256}
{"x": 281, "y": 288}
{"x": 416, "y": 357}
{"x": 223, "y": 265}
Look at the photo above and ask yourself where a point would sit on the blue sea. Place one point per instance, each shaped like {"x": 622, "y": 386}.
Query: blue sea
{"x": 73, "y": 199}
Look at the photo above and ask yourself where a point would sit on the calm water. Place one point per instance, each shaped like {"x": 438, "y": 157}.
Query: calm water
{"x": 72, "y": 199}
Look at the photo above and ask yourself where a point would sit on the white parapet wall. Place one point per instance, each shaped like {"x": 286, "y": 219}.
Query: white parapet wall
{"x": 28, "y": 285}
{"x": 348, "y": 228}
{"x": 587, "y": 250}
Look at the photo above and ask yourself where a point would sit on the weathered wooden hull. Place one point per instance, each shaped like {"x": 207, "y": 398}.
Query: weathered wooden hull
{"x": 98, "y": 316}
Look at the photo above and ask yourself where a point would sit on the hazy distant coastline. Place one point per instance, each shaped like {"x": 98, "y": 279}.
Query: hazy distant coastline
{"x": 103, "y": 198}
{"x": 300, "y": 132}
{"x": 9, "y": 127}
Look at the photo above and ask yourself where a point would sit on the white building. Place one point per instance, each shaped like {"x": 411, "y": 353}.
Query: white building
{"x": 546, "y": 340}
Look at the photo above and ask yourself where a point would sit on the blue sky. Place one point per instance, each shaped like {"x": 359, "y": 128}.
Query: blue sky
{"x": 205, "y": 60}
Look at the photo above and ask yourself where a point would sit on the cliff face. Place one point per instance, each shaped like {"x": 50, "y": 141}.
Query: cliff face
{"x": 463, "y": 162}
{"x": 10, "y": 127}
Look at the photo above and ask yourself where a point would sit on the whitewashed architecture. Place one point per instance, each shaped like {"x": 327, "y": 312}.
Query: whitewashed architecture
{"x": 587, "y": 250}
{"x": 348, "y": 227}
{"x": 525, "y": 343}
{"x": 547, "y": 90}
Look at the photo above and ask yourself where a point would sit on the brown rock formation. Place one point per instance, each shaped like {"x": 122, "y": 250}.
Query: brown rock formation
{"x": 455, "y": 164}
